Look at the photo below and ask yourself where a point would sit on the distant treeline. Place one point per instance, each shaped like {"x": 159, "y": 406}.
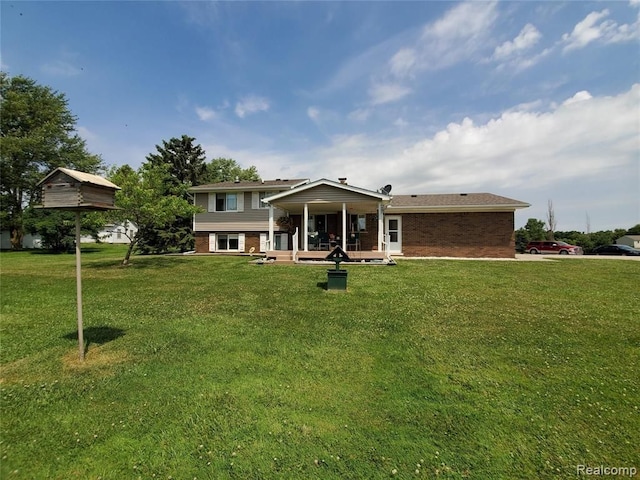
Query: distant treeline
{"x": 537, "y": 230}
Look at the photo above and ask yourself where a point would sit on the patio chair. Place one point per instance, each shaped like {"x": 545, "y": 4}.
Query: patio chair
{"x": 314, "y": 241}
{"x": 353, "y": 241}
{"x": 323, "y": 241}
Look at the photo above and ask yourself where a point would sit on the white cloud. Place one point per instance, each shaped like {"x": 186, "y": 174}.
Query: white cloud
{"x": 594, "y": 27}
{"x": 61, "y": 68}
{"x": 578, "y": 97}
{"x": 385, "y": 93}
{"x": 313, "y": 113}
{"x": 402, "y": 62}
{"x": 360, "y": 114}
{"x": 400, "y": 122}
{"x": 526, "y": 39}
{"x": 251, "y": 104}
{"x": 458, "y": 35}
{"x": 205, "y": 113}
{"x": 581, "y": 137}
{"x": 86, "y": 134}
{"x": 524, "y": 147}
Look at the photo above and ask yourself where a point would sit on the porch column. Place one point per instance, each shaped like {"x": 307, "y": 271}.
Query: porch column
{"x": 271, "y": 244}
{"x": 380, "y": 226}
{"x": 305, "y": 226}
{"x": 344, "y": 226}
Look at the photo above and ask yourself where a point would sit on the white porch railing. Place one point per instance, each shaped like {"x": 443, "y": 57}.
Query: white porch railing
{"x": 385, "y": 245}
{"x": 294, "y": 241}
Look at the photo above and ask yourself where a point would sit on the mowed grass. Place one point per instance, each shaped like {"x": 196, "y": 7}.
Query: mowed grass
{"x": 213, "y": 367}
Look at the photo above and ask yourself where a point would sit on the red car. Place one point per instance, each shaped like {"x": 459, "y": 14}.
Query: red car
{"x": 553, "y": 247}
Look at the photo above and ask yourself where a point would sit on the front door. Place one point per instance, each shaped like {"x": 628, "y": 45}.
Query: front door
{"x": 393, "y": 228}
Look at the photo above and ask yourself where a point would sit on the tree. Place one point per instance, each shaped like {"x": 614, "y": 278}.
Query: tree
{"x": 57, "y": 228}
{"x": 186, "y": 161}
{"x": 37, "y": 134}
{"x": 144, "y": 200}
{"x": 226, "y": 170}
{"x": 534, "y": 230}
{"x": 635, "y": 230}
{"x": 551, "y": 220}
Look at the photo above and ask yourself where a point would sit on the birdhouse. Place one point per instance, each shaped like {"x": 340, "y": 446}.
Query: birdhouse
{"x": 73, "y": 190}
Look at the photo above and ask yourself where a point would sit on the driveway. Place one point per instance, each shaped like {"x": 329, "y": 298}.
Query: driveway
{"x": 532, "y": 258}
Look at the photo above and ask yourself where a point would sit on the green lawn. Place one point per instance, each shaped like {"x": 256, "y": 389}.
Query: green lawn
{"x": 213, "y": 367}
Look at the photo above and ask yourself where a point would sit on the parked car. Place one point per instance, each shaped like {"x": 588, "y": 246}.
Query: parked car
{"x": 615, "y": 250}
{"x": 552, "y": 247}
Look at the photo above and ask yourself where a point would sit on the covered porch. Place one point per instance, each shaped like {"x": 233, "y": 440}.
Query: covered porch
{"x": 325, "y": 214}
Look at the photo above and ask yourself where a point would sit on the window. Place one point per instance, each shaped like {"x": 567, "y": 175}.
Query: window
{"x": 257, "y": 197}
{"x": 226, "y": 202}
{"x": 226, "y": 242}
{"x": 358, "y": 223}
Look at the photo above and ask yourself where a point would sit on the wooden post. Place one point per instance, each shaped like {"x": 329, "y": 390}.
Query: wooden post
{"x": 79, "y": 288}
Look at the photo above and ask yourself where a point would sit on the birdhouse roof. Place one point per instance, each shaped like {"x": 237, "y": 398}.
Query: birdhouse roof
{"x": 81, "y": 177}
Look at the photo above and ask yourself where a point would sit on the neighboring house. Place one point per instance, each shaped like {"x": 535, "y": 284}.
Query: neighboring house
{"x": 632, "y": 241}
{"x": 117, "y": 233}
{"x": 270, "y": 216}
{"x": 28, "y": 240}
{"x": 110, "y": 233}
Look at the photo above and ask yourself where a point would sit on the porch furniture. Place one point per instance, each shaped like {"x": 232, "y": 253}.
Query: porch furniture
{"x": 314, "y": 241}
{"x": 353, "y": 241}
{"x": 323, "y": 241}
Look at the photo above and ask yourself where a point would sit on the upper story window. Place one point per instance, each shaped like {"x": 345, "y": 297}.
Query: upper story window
{"x": 257, "y": 197}
{"x": 226, "y": 202}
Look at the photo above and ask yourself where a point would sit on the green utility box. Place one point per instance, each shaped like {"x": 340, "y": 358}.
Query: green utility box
{"x": 337, "y": 279}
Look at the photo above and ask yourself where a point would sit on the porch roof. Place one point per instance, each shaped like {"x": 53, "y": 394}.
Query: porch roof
{"x": 323, "y": 196}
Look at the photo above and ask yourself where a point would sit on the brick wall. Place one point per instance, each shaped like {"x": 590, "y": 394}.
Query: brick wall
{"x": 463, "y": 234}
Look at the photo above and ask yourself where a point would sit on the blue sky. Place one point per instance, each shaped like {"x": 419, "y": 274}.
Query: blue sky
{"x": 530, "y": 100}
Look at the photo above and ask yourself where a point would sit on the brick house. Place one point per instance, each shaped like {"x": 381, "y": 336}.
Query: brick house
{"x": 270, "y": 217}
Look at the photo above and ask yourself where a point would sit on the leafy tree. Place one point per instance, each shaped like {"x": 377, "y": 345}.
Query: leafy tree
{"x": 144, "y": 200}
{"x": 635, "y": 230}
{"x": 37, "y": 134}
{"x": 57, "y": 228}
{"x": 533, "y": 230}
{"x": 226, "y": 170}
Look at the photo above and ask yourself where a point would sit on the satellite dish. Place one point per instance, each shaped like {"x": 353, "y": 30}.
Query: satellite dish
{"x": 386, "y": 189}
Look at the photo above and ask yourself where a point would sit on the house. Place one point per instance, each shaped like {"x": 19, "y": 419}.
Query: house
{"x": 632, "y": 241}
{"x": 111, "y": 233}
{"x": 272, "y": 217}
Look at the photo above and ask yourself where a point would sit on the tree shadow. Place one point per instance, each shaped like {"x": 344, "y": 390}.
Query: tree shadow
{"x": 97, "y": 335}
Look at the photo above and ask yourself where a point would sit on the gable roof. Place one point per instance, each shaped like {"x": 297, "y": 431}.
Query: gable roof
{"x": 251, "y": 185}
{"x": 454, "y": 202}
{"x": 81, "y": 177}
{"x": 330, "y": 183}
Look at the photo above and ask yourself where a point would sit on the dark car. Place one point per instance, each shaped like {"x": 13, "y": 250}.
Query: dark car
{"x": 615, "y": 250}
